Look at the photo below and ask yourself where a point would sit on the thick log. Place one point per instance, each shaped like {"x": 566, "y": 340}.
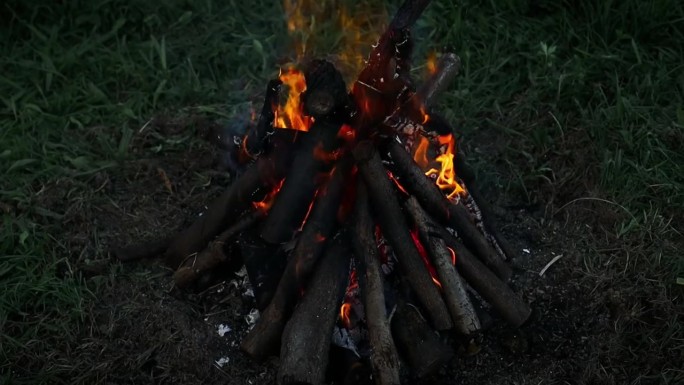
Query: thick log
{"x": 384, "y": 358}
{"x": 292, "y": 202}
{"x": 259, "y": 178}
{"x": 348, "y": 368}
{"x": 265, "y": 264}
{"x": 453, "y": 288}
{"x": 199, "y": 267}
{"x": 325, "y": 91}
{"x": 418, "y": 344}
{"x": 306, "y": 338}
{"x": 507, "y": 303}
{"x": 453, "y": 214}
{"x": 396, "y": 230}
{"x": 254, "y": 142}
{"x": 264, "y": 338}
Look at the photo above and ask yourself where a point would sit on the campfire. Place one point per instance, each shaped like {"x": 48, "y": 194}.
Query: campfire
{"x": 341, "y": 185}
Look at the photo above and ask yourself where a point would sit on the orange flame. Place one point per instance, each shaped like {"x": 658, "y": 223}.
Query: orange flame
{"x": 265, "y": 204}
{"x": 420, "y": 156}
{"x": 424, "y": 256}
{"x": 291, "y": 114}
{"x": 446, "y": 176}
{"x": 345, "y": 309}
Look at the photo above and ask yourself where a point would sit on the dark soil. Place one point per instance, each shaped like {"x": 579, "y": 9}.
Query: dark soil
{"x": 141, "y": 330}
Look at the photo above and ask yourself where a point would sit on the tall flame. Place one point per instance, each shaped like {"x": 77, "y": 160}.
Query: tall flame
{"x": 291, "y": 113}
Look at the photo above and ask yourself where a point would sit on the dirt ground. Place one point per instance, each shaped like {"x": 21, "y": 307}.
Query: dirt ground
{"x": 141, "y": 330}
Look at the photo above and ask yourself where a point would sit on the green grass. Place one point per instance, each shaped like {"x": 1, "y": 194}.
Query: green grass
{"x": 587, "y": 99}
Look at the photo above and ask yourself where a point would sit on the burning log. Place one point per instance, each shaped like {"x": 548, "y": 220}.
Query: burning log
{"x": 455, "y": 295}
{"x": 260, "y": 176}
{"x": 396, "y": 230}
{"x": 263, "y": 339}
{"x": 447, "y": 69}
{"x": 306, "y": 338}
{"x": 384, "y": 359}
{"x": 417, "y": 342}
{"x": 203, "y": 263}
{"x": 435, "y": 203}
{"x": 313, "y": 155}
{"x": 508, "y": 304}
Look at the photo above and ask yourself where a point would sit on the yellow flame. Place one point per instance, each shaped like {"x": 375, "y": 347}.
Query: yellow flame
{"x": 446, "y": 176}
{"x": 431, "y": 64}
{"x": 291, "y": 114}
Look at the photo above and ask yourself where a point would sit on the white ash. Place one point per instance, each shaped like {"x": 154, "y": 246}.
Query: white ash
{"x": 222, "y": 329}
{"x": 222, "y": 361}
{"x": 252, "y": 318}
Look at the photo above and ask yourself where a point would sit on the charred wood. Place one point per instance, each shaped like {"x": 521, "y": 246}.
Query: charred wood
{"x": 254, "y": 142}
{"x": 418, "y": 344}
{"x": 384, "y": 358}
{"x": 306, "y": 338}
{"x": 396, "y": 230}
{"x": 453, "y": 288}
{"x": 325, "y": 93}
{"x": 264, "y": 338}
{"x": 446, "y": 212}
{"x": 265, "y": 264}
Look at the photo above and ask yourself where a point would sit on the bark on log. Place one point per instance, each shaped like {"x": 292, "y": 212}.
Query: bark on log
{"x": 259, "y": 178}
{"x": 292, "y": 202}
{"x": 420, "y": 347}
{"x": 395, "y": 229}
{"x": 453, "y": 288}
{"x": 203, "y": 263}
{"x": 264, "y": 338}
{"x": 384, "y": 358}
{"x": 306, "y": 338}
{"x": 507, "y": 303}
{"x": 435, "y": 203}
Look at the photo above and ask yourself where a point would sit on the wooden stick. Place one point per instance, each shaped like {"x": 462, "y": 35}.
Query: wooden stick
{"x": 306, "y": 338}
{"x": 396, "y": 230}
{"x": 508, "y": 304}
{"x": 264, "y": 338}
{"x": 193, "y": 268}
{"x": 418, "y": 344}
{"x": 435, "y": 203}
{"x": 384, "y": 358}
{"x": 454, "y": 291}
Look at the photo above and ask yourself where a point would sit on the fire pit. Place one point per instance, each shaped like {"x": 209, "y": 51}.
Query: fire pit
{"x": 339, "y": 188}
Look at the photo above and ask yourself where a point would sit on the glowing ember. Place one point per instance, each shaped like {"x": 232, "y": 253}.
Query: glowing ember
{"x": 267, "y": 202}
{"x": 453, "y": 256}
{"x": 396, "y": 182}
{"x": 446, "y": 176}
{"x": 424, "y": 256}
{"x": 291, "y": 114}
